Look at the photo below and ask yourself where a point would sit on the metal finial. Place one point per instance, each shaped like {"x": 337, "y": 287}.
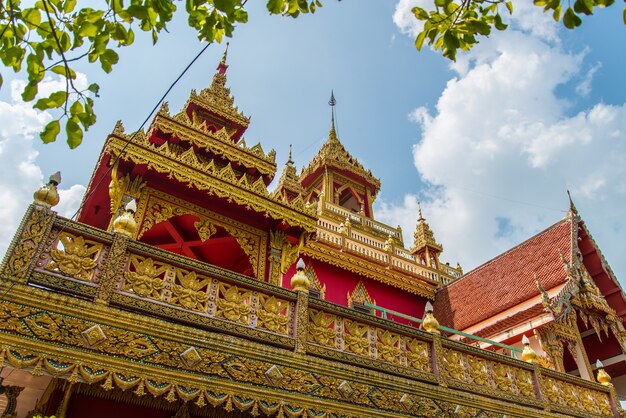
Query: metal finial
{"x": 332, "y": 102}
{"x": 225, "y": 54}
{"x": 222, "y": 67}
{"x": 419, "y": 211}
{"x": 289, "y": 160}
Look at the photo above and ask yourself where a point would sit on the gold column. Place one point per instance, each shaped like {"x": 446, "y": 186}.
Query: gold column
{"x": 113, "y": 269}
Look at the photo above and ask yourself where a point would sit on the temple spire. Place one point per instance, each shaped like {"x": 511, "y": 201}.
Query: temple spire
{"x": 419, "y": 211}
{"x": 332, "y": 102}
{"x": 222, "y": 66}
{"x": 289, "y": 160}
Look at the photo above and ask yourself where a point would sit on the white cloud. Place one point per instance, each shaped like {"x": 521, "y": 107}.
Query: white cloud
{"x": 20, "y": 175}
{"x": 501, "y": 148}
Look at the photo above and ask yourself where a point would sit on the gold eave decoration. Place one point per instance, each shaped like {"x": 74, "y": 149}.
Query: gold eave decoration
{"x": 219, "y": 143}
{"x": 415, "y": 285}
{"x": 221, "y": 182}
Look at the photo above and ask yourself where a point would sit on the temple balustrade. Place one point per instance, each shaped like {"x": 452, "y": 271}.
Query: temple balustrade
{"x": 57, "y": 256}
{"x": 374, "y": 249}
{"x": 363, "y": 221}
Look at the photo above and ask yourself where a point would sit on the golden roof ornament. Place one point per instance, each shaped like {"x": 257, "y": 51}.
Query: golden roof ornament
{"x": 47, "y": 195}
{"x": 334, "y": 154}
{"x": 429, "y": 322}
{"x": 125, "y": 223}
{"x": 603, "y": 377}
{"x": 300, "y": 282}
{"x": 217, "y": 97}
{"x": 528, "y": 354}
{"x": 289, "y": 181}
{"x": 423, "y": 236}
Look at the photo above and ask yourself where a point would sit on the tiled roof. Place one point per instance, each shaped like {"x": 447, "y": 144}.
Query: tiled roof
{"x": 507, "y": 280}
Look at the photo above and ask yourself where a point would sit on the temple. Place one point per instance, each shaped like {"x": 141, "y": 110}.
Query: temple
{"x": 187, "y": 288}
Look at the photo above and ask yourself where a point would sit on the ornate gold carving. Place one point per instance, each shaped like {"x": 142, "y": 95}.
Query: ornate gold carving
{"x": 315, "y": 282}
{"x": 19, "y": 258}
{"x": 453, "y": 364}
{"x": 277, "y": 239}
{"x": 290, "y": 253}
{"x": 206, "y": 176}
{"x": 502, "y": 376}
{"x": 333, "y": 154}
{"x": 524, "y": 382}
{"x": 355, "y": 338}
{"x": 190, "y": 290}
{"x": 321, "y": 328}
{"x": 302, "y": 321}
{"x": 145, "y": 278}
{"x": 190, "y": 357}
{"x": 369, "y": 269}
{"x": 205, "y": 229}
{"x": 113, "y": 267}
{"x": 272, "y": 314}
{"x": 233, "y": 303}
{"x": 387, "y": 346}
{"x": 77, "y": 259}
{"x": 359, "y": 295}
{"x": 417, "y": 355}
{"x": 94, "y": 335}
{"x": 478, "y": 370}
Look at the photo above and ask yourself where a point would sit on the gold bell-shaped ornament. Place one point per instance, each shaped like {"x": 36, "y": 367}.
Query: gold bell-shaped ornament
{"x": 47, "y": 195}
{"x": 125, "y": 223}
{"x": 429, "y": 322}
{"x": 299, "y": 281}
{"x": 528, "y": 354}
{"x": 603, "y": 377}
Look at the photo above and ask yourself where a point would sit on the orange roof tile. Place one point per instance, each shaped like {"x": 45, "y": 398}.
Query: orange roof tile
{"x": 507, "y": 280}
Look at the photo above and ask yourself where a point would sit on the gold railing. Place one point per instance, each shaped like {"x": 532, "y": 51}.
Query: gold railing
{"x": 68, "y": 257}
{"x": 373, "y": 249}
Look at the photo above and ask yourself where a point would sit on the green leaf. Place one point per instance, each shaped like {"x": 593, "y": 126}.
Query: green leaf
{"x": 509, "y": 6}
{"x": 497, "y": 22}
{"x": 94, "y": 88}
{"x": 419, "y": 41}
{"x": 61, "y": 70}
{"x": 226, "y": 6}
{"x": 50, "y": 132}
{"x": 0, "y": 80}
{"x": 420, "y": 13}
{"x": 88, "y": 29}
{"x": 557, "y": 13}
{"x": 570, "y": 19}
{"x": 30, "y": 91}
{"x": 624, "y": 15}
{"x": 69, "y": 5}
{"x": 32, "y": 17}
{"x": 74, "y": 133}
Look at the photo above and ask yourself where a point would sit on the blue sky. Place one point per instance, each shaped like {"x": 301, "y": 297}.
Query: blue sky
{"x": 489, "y": 144}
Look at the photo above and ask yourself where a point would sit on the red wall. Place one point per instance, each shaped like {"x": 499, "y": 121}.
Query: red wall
{"x": 340, "y": 282}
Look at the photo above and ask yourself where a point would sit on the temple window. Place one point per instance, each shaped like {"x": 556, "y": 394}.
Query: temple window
{"x": 348, "y": 200}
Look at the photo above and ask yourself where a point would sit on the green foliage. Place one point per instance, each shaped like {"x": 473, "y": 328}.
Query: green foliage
{"x": 48, "y": 36}
{"x": 454, "y": 25}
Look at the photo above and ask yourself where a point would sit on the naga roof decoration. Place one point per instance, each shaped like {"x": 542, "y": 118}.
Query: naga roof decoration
{"x": 423, "y": 236}
{"x": 334, "y": 154}
{"x": 206, "y": 174}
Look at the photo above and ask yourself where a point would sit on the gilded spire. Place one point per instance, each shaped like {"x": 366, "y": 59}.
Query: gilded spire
{"x": 423, "y": 236}
{"x": 289, "y": 186}
{"x": 332, "y": 102}
{"x": 222, "y": 66}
